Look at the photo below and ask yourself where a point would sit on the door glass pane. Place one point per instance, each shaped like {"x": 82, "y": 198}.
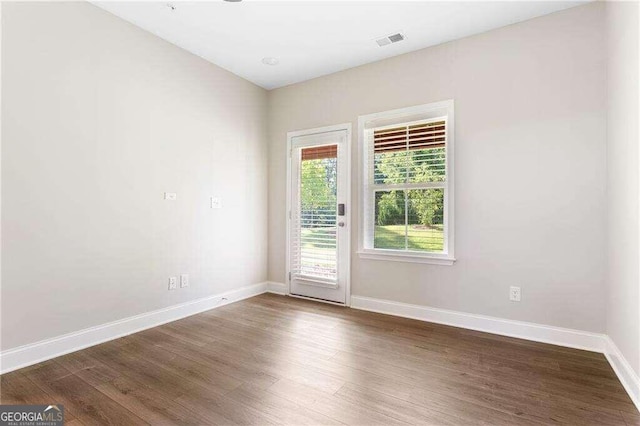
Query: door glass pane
{"x": 318, "y": 210}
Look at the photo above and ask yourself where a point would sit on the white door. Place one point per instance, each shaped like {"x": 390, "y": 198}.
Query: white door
{"x": 318, "y": 243}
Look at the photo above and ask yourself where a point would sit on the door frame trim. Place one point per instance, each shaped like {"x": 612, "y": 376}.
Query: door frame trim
{"x": 290, "y": 135}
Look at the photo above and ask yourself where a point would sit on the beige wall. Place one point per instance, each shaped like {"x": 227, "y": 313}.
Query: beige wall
{"x": 623, "y": 310}
{"x": 530, "y": 167}
{"x": 99, "y": 119}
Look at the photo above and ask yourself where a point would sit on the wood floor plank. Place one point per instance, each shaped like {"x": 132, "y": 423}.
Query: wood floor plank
{"x": 235, "y": 412}
{"x": 203, "y": 375}
{"x": 17, "y": 389}
{"x": 279, "y": 409}
{"x": 631, "y": 419}
{"x": 86, "y": 403}
{"x": 227, "y": 372}
{"x": 278, "y": 360}
{"x": 280, "y": 364}
{"x": 393, "y": 407}
{"x": 330, "y": 405}
{"x": 146, "y": 402}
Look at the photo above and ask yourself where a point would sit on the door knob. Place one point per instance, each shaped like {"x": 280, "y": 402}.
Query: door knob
{"x": 341, "y": 224}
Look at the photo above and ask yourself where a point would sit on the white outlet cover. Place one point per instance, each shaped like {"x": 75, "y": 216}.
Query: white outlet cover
{"x": 170, "y": 196}
{"x": 184, "y": 280}
{"x": 173, "y": 283}
{"x": 216, "y": 202}
{"x": 515, "y": 294}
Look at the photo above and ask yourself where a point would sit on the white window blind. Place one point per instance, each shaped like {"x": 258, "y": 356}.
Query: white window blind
{"x": 406, "y": 185}
{"x": 411, "y": 153}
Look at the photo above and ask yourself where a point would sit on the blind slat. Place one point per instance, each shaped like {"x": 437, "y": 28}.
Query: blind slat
{"x": 410, "y": 137}
{"x": 320, "y": 152}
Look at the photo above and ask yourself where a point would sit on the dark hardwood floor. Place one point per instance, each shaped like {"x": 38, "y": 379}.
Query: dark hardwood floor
{"x": 278, "y": 360}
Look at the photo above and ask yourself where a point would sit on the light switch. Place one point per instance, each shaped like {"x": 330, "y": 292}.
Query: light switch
{"x": 170, "y": 196}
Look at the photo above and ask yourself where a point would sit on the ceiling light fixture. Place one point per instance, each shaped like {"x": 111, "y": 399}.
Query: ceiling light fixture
{"x": 269, "y": 60}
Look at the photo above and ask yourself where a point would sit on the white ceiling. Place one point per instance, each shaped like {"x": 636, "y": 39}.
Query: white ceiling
{"x": 315, "y": 38}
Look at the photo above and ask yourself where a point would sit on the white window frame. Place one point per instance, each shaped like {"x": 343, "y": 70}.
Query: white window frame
{"x": 400, "y": 116}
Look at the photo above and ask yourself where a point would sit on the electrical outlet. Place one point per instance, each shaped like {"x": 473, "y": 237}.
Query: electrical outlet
{"x": 514, "y": 294}
{"x": 173, "y": 283}
{"x": 216, "y": 202}
{"x": 184, "y": 280}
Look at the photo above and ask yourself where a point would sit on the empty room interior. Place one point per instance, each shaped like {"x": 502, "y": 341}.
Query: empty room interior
{"x": 254, "y": 212}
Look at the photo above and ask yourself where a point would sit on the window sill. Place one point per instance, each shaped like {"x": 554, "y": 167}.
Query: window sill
{"x": 406, "y": 257}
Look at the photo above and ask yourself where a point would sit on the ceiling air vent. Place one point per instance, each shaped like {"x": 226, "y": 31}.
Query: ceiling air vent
{"x": 393, "y": 38}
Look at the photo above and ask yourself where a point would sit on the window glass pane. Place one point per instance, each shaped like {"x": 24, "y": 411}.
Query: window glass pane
{"x": 390, "y": 167}
{"x": 425, "y": 219}
{"x": 427, "y": 165}
{"x": 390, "y": 229}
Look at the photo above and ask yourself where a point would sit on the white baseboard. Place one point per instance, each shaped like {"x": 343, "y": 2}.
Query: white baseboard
{"x": 34, "y": 353}
{"x": 520, "y": 329}
{"x": 524, "y": 330}
{"x": 623, "y": 370}
{"x": 276, "y": 288}
{"x": 23, "y": 356}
